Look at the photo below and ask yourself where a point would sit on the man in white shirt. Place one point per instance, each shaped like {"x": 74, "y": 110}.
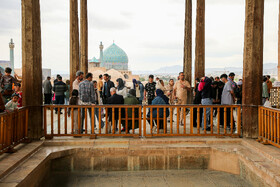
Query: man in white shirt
{"x": 228, "y": 98}
{"x": 78, "y": 80}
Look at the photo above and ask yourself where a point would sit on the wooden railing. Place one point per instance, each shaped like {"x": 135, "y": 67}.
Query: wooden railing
{"x": 69, "y": 123}
{"x": 192, "y": 120}
{"x": 269, "y": 126}
{"x": 13, "y": 129}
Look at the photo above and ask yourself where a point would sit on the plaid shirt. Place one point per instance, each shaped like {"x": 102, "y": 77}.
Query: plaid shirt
{"x": 86, "y": 92}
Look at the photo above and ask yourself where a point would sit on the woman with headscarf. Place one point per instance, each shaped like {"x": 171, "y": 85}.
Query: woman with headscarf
{"x": 160, "y": 85}
{"x": 121, "y": 88}
{"x": 136, "y": 87}
{"x": 160, "y": 99}
{"x": 141, "y": 89}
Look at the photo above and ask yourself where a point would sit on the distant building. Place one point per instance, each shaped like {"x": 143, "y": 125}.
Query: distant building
{"x": 45, "y": 72}
{"x": 3, "y": 65}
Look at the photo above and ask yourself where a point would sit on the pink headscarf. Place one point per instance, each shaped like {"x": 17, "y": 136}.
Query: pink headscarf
{"x": 201, "y": 85}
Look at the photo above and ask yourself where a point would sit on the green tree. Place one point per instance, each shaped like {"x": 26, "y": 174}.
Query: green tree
{"x": 142, "y": 79}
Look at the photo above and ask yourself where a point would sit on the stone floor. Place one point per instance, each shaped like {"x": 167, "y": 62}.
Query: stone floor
{"x": 190, "y": 178}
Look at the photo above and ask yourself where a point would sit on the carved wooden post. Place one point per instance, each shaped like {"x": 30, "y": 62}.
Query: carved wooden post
{"x": 74, "y": 41}
{"x": 188, "y": 47}
{"x": 279, "y": 46}
{"x": 200, "y": 40}
{"x": 32, "y": 66}
{"x": 84, "y": 36}
{"x": 252, "y": 66}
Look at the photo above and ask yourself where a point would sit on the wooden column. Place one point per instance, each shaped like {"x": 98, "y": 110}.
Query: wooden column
{"x": 74, "y": 41}
{"x": 279, "y": 45}
{"x": 200, "y": 40}
{"x": 252, "y": 66}
{"x": 32, "y": 66}
{"x": 188, "y": 46}
{"x": 84, "y": 36}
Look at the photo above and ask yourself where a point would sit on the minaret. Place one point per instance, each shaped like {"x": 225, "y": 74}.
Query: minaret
{"x": 101, "y": 54}
{"x": 12, "y": 59}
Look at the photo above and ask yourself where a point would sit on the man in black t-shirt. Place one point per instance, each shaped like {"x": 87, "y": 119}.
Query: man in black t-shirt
{"x": 150, "y": 89}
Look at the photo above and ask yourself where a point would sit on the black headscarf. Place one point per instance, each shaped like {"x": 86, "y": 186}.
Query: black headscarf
{"x": 161, "y": 94}
{"x": 121, "y": 84}
{"x": 134, "y": 83}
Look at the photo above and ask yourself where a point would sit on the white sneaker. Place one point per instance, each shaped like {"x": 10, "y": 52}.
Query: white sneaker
{"x": 155, "y": 130}
{"x": 109, "y": 129}
{"x": 136, "y": 131}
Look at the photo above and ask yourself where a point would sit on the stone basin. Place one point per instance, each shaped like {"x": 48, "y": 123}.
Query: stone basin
{"x": 146, "y": 162}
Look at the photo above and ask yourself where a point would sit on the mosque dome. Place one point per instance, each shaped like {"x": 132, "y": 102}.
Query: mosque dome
{"x": 114, "y": 54}
{"x": 94, "y": 60}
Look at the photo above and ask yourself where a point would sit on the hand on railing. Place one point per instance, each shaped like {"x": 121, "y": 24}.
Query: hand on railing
{"x": 15, "y": 110}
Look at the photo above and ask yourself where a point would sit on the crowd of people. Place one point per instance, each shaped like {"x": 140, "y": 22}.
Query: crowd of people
{"x": 221, "y": 90}
{"x": 10, "y": 92}
{"x": 86, "y": 91}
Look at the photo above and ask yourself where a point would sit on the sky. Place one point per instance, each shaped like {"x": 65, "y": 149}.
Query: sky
{"x": 150, "y": 31}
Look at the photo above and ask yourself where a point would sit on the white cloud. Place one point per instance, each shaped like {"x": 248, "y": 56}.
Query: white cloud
{"x": 150, "y": 31}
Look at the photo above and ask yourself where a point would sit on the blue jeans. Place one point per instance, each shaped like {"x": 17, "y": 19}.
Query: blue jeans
{"x": 59, "y": 100}
{"x": 96, "y": 113}
{"x": 66, "y": 102}
{"x": 206, "y": 101}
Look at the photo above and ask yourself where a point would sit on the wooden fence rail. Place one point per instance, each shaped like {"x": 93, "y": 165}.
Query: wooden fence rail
{"x": 137, "y": 120}
{"x": 269, "y": 126}
{"x": 13, "y": 129}
{"x": 77, "y": 121}
{"x": 192, "y": 120}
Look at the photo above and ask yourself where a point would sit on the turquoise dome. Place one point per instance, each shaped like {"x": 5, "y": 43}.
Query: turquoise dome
{"x": 94, "y": 60}
{"x": 114, "y": 54}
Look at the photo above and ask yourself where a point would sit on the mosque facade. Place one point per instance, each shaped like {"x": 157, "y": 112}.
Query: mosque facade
{"x": 112, "y": 57}
{"x": 114, "y": 61}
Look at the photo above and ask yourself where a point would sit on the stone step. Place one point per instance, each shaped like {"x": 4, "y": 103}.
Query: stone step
{"x": 8, "y": 162}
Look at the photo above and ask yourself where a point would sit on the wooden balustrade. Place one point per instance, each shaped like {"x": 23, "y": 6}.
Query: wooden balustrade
{"x": 88, "y": 120}
{"x": 269, "y": 126}
{"x": 13, "y": 129}
{"x": 192, "y": 120}
{"x": 70, "y": 123}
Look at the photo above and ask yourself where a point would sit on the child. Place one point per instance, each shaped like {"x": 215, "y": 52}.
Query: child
{"x": 7, "y": 82}
{"x": 12, "y": 104}
{"x": 18, "y": 91}
{"x": 74, "y": 100}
